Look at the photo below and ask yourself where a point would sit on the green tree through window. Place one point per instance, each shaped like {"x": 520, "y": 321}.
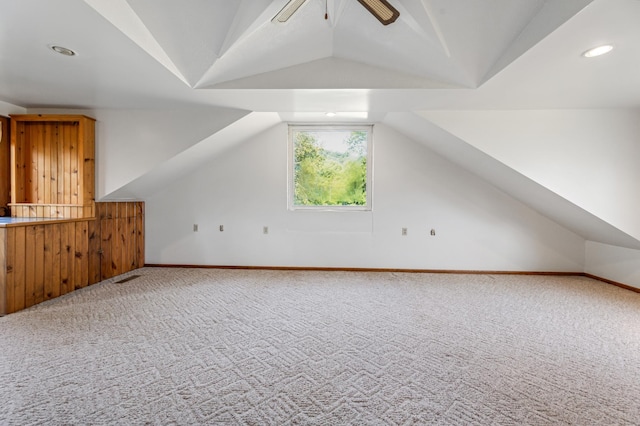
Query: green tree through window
{"x": 330, "y": 167}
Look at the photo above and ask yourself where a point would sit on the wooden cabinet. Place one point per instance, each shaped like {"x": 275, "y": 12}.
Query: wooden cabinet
{"x": 54, "y": 242}
{"x": 52, "y": 165}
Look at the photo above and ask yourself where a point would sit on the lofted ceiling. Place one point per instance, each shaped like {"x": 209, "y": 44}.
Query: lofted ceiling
{"x": 438, "y": 55}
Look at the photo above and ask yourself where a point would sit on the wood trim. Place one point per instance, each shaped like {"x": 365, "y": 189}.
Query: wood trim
{"x": 50, "y": 117}
{"x": 615, "y": 283}
{"x": 404, "y": 270}
{"x": 13, "y": 160}
{"x": 339, "y": 269}
{"x": 89, "y": 204}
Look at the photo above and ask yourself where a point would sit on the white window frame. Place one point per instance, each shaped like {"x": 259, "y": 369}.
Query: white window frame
{"x": 291, "y": 167}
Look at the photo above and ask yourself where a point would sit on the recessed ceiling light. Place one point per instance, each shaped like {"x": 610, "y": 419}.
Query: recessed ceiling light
{"x": 330, "y": 114}
{"x": 63, "y": 50}
{"x": 597, "y": 51}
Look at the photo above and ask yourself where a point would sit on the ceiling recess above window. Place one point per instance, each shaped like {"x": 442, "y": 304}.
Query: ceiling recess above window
{"x": 381, "y": 9}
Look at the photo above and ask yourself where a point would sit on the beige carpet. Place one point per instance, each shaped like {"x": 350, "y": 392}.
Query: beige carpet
{"x": 266, "y": 347}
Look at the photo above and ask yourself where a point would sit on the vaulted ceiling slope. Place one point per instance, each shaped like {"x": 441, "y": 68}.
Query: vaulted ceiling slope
{"x": 452, "y": 54}
{"x": 434, "y": 43}
{"x": 430, "y": 75}
{"x": 578, "y": 215}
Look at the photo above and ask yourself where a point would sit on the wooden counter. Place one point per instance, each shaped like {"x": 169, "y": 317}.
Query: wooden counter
{"x": 42, "y": 258}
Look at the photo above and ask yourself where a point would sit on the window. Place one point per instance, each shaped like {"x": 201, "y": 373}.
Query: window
{"x": 330, "y": 167}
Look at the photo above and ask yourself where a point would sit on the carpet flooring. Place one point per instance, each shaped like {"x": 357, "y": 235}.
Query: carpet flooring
{"x": 197, "y": 346}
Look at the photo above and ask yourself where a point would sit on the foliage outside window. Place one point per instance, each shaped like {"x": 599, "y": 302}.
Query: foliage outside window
{"x": 330, "y": 167}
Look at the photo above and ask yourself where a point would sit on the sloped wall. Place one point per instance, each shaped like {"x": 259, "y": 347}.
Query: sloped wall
{"x": 477, "y": 226}
{"x": 614, "y": 263}
{"x": 588, "y": 157}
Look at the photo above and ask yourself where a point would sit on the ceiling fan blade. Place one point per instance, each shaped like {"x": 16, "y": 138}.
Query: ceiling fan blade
{"x": 287, "y": 11}
{"x": 382, "y": 10}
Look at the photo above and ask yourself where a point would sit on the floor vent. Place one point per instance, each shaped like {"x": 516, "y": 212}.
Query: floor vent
{"x": 129, "y": 278}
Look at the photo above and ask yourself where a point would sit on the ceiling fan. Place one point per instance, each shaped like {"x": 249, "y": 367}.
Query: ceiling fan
{"x": 381, "y": 9}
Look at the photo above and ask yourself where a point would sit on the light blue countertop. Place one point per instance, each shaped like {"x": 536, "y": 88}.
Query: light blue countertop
{"x": 8, "y": 221}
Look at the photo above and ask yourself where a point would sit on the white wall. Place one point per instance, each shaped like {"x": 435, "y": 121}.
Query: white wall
{"x": 477, "y": 226}
{"x": 589, "y": 157}
{"x": 614, "y": 263}
{"x": 131, "y": 142}
{"x": 7, "y": 108}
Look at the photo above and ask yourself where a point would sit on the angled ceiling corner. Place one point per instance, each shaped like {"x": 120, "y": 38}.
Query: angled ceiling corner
{"x": 191, "y": 33}
{"x": 264, "y": 47}
{"x": 550, "y": 16}
{"x": 333, "y": 73}
{"x": 250, "y": 16}
{"x": 493, "y": 37}
{"x": 192, "y": 158}
{"x": 134, "y": 142}
{"x": 120, "y": 14}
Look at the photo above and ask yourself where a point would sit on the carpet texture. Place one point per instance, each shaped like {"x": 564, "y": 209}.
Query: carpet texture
{"x": 193, "y": 346}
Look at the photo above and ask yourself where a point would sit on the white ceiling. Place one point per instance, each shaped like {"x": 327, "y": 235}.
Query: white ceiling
{"x": 438, "y": 54}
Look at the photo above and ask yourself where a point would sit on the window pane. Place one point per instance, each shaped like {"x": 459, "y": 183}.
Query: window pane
{"x": 330, "y": 167}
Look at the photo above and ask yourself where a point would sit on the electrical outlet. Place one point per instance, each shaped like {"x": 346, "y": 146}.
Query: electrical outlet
{"x": 433, "y": 232}
{"x": 404, "y": 231}
{"x": 221, "y": 228}
{"x": 195, "y": 227}
{"x": 265, "y": 230}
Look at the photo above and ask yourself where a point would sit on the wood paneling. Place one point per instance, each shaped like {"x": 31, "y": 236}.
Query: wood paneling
{"x": 39, "y": 262}
{"x": 93, "y": 232}
{"x": 61, "y": 211}
{"x": 82, "y": 255}
{"x": 30, "y": 270}
{"x": 5, "y": 166}
{"x": 140, "y": 239}
{"x": 67, "y": 255}
{"x": 121, "y": 236}
{"x": 88, "y": 156}
{"x": 38, "y": 287}
{"x": 43, "y": 260}
{"x": 19, "y": 267}
{"x": 53, "y": 164}
{"x": 3, "y": 265}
